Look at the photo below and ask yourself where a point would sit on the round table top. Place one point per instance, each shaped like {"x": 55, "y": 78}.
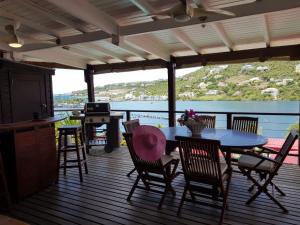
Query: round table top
{"x": 227, "y": 137}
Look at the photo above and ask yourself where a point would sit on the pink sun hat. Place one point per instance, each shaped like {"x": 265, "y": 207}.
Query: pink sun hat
{"x": 149, "y": 143}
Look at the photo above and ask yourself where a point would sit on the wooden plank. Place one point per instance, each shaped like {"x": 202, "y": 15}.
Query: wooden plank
{"x": 101, "y": 199}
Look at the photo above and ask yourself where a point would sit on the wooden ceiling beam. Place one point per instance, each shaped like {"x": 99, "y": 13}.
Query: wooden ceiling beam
{"x": 129, "y": 66}
{"x": 87, "y": 12}
{"x": 29, "y": 23}
{"x": 60, "y": 19}
{"x": 104, "y": 51}
{"x": 292, "y": 52}
{"x": 83, "y": 53}
{"x": 266, "y": 30}
{"x": 150, "y": 45}
{"x": 184, "y": 39}
{"x": 219, "y": 29}
{"x": 58, "y": 55}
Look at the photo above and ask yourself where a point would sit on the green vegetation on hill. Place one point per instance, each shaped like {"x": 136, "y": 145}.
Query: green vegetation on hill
{"x": 273, "y": 80}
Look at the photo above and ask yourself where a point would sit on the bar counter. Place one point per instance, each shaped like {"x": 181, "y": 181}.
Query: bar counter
{"x": 29, "y": 155}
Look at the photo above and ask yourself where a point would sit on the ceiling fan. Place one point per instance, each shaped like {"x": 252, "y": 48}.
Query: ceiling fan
{"x": 185, "y": 10}
{"x": 15, "y": 39}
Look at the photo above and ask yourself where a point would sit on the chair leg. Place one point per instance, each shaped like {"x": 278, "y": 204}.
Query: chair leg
{"x": 163, "y": 197}
{"x": 65, "y": 154}
{"x": 278, "y": 189}
{"x": 192, "y": 195}
{"x": 83, "y": 152}
{"x": 133, "y": 187}
{"x": 58, "y": 157}
{"x": 276, "y": 201}
{"x": 186, "y": 188}
{"x": 224, "y": 206}
{"x": 131, "y": 172}
{"x": 78, "y": 158}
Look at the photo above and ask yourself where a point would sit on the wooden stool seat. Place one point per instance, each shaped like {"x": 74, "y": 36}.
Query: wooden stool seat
{"x": 65, "y": 147}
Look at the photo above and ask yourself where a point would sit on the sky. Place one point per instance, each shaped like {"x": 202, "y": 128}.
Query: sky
{"x": 66, "y": 81}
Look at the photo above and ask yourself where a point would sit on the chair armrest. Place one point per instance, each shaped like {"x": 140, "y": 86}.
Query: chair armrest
{"x": 270, "y": 150}
{"x": 263, "y": 158}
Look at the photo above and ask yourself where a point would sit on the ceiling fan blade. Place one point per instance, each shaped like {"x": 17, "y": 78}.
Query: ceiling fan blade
{"x": 198, "y": 12}
{"x": 220, "y": 11}
{"x": 176, "y": 9}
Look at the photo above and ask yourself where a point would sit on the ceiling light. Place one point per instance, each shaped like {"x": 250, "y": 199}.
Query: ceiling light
{"x": 15, "y": 45}
{"x": 15, "y": 42}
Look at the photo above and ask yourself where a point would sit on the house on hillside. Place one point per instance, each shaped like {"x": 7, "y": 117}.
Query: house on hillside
{"x": 297, "y": 68}
{"x": 212, "y": 92}
{"x": 262, "y": 68}
{"x": 187, "y": 94}
{"x": 271, "y": 91}
{"x": 247, "y": 68}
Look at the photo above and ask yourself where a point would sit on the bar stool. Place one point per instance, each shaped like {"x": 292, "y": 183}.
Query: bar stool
{"x": 4, "y": 194}
{"x": 64, "y": 147}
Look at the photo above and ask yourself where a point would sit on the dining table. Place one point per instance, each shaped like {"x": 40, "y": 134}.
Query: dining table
{"x": 229, "y": 139}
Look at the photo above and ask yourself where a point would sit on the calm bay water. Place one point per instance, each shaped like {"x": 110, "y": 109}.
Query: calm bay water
{"x": 272, "y": 126}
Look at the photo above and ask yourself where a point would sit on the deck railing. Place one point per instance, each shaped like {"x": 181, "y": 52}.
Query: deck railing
{"x": 225, "y": 122}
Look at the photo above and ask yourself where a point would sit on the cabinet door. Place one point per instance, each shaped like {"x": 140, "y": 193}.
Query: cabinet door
{"x": 27, "y": 163}
{"x": 28, "y": 95}
{"x": 47, "y": 155}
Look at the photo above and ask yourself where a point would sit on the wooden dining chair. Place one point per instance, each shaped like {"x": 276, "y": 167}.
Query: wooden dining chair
{"x": 267, "y": 168}
{"x": 246, "y": 124}
{"x": 157, "y": 173}
{"x": 129, "y": 127}
{"x": 205, "y": 176}
{"x": 210, "y": 120}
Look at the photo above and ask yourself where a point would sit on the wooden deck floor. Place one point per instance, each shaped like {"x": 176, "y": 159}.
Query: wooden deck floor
{"x": 101, "y": 199}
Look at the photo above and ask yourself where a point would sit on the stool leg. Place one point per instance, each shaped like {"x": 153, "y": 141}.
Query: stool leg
{"x": 78, "y": 156}
{"x": 65, "y": 153}
{"x": 58, "y": 156}
{"x": 83, "y": 152}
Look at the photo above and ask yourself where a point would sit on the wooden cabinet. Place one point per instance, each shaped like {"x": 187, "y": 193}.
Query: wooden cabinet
{"x": 24, "y": 89}
{"x": 35, "y": 160}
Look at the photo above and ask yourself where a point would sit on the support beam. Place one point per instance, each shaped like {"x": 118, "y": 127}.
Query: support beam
{"x": 89, "y": 13}
{"x": 172, "y": 92}
{"x": 266, "y": 30}
{"x": 218, "y": 27}
{"x": 57, "y": 55}
{"x": 184, "y": 39}
{"x": 30, "y": 23}
{"x": 130, "y": 66}
{"x": 120, "y": 42}
{"x": 60, "y": 19}
{"x": 104, "y": 51}
{"x": 89, "y": 79}
{"x": 292, "y": 52}
{"x": 84, "y": 53}
{"x": 148, "y": 44}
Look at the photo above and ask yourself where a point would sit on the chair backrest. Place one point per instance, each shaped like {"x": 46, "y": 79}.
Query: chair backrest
{"x": 245, "y": 123}
{"x": 140, "y": 164}
{"x": 286, "y": 147}
{"x": 130, "y": 125}
{"x": 200, "y": 159}
{"x": 210, "y": 120}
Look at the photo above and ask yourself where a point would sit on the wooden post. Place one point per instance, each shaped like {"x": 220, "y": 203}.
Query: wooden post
{"x": 229, "y": 119}
{"x": 89, "y": 79}
{"x": 171, "y": 92}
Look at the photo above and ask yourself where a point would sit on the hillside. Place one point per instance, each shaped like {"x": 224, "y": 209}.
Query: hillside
{"x": 274, "y": 80}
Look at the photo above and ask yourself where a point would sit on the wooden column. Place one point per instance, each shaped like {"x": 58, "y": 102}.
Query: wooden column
{"x": 89, "y": 79}
{"x": 171, "y": 92}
